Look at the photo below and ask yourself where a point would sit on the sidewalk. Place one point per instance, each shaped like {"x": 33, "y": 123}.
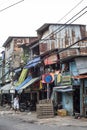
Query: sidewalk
{"x": 31, "y": 117}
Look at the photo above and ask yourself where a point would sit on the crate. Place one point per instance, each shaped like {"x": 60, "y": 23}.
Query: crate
{"x": 62, "y": 112}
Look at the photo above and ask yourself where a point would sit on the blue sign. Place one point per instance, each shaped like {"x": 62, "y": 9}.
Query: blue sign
{"x": 48, "y": 78}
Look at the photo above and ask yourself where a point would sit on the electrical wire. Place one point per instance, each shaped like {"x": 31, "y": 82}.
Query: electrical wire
{"x": 85, "y": 38}
{"x": 63, "y": 26}
{"x": 67, "y": 22}
{"x": 71, "y": 10}
{"x": 11, "y": 5}
{"x": 64, "y": 16}
{"x": 60, "y": 27}
{"x": 64, "y": 49}
{"x": 72, "y": 22}
{"x": 44, "y": 39}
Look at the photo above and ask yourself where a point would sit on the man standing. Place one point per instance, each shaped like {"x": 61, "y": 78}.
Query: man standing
{"x": 16, "y": 103}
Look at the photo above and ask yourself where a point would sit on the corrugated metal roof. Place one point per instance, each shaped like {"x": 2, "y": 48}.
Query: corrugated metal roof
{"x": 6, "y": 88}
{"x": 46, "y": 25}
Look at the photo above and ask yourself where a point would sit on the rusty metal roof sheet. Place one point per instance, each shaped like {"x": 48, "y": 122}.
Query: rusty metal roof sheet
{"x": 46, "y": 25}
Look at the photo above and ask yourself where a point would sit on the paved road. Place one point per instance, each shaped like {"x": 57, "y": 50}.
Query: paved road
{"x": 8, "y": 123}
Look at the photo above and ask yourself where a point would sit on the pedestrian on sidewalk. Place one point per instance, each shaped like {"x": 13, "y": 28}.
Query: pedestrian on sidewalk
{"x": 16, "y": 103}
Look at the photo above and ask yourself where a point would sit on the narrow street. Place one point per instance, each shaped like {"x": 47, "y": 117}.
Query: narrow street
{"x": 29, "y": 121}
{"x": 7, "y": 123}
{"x": 43, "y": 65}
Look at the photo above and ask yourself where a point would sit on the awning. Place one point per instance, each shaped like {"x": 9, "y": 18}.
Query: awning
{"x": 12, "y": 89}
{"x": 29, "y": 83}
{"x": 6, "y": 88}
{"x": 32, "y": 63}
{"x": 23, "y": 83}
{"x": 80, "y": 77}
{"x": 63, "y": 89}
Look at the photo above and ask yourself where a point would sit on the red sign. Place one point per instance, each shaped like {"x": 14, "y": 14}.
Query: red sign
{"x": 51, "y": 60}
{"x": 47, "y": 78}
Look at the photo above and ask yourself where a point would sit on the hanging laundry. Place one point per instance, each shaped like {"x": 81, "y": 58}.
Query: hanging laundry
{"x": 22, "y": 77}
{"x": 59, "y": 78}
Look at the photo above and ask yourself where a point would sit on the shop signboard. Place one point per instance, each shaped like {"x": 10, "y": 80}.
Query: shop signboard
{"x": 66, "y": 79}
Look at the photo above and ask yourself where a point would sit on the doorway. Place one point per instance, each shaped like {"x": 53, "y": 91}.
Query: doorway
{"x": 76, "y": 99}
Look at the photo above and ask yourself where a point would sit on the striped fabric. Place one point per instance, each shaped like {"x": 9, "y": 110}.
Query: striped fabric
{"x": 29, "y": 83}
{"x": 24, "y": 82}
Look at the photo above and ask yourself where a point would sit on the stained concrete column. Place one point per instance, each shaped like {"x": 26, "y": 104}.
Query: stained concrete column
{"x": 81, "y": 97}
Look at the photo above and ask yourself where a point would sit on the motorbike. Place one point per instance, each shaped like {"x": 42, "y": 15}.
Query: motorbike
{"x": 27, "y": 107}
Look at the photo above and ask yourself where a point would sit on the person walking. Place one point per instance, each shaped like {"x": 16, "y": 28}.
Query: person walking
{"x": 16, "y": 103}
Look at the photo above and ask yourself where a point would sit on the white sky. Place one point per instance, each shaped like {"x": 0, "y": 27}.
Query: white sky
{"x": 26, "y": 17}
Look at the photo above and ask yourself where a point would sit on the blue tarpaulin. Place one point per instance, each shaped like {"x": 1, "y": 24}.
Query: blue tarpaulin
{"x": 23, "y": 83}
{"x": 32, "y": 63}
{"x": 33, "y": 80}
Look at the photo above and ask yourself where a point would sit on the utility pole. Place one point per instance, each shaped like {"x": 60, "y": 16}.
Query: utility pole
{"x": 3, "y": 68}
{"x": 12, "y": 78}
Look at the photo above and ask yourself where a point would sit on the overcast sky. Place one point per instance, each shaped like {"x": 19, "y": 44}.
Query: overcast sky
{"x": 25, "y": 18}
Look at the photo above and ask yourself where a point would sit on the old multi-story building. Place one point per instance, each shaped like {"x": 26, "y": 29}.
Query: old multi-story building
{"x": 14, "y": 55}
{"x": 61, "y": 50}
{"x": 70, "y": 41}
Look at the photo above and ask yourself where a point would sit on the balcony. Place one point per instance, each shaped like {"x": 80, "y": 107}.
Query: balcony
{"x": 73, "y": 52}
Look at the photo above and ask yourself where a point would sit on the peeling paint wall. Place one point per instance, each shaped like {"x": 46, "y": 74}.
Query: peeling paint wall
{"x": 13, "y": 50}
{"x": 68, "y": 102}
